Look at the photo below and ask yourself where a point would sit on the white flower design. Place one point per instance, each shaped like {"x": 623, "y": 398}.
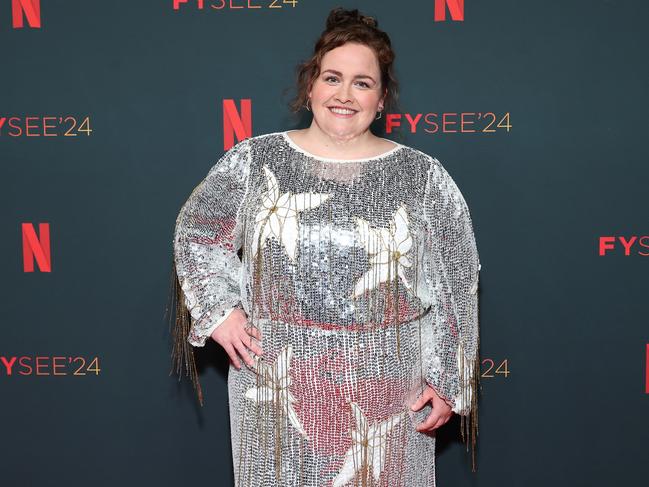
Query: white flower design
{"x": 278, "y": 215}
{"x": 276, "y": 385}
{"x": 387, "y": 248}
{"x": 368, "y": 446}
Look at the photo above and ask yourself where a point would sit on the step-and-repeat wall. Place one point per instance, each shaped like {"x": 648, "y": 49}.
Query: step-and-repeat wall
{"x": 112, "y": 112}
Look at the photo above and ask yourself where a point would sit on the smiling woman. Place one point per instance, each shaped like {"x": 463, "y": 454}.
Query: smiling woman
{"x": 347, "y": 84}
{"x": 345, "y": 98}
{"x": 351, "y": 318}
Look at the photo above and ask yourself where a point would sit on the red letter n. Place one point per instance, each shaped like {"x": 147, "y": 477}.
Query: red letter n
{"x": 33, "y": 248}
{"x": 455, "y": 8}
{"x": 31, "y": 9}
{"x": 233, "y": 122}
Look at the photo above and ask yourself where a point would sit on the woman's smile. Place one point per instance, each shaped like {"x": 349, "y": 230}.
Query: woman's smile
{"x": 342, "y": 112}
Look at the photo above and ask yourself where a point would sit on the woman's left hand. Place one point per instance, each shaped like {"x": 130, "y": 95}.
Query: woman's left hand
{"x": 439, "y": 415}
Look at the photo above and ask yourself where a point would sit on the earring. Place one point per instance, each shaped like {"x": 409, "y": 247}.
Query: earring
{"x": 306, "y": 105}
{"x": 380, "y": 112}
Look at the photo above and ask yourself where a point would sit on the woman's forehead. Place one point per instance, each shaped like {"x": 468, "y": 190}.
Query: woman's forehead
{"x": 350, "y": 59}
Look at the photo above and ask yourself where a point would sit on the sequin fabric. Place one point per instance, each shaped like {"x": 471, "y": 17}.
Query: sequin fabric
{"x": 362, "y": 276}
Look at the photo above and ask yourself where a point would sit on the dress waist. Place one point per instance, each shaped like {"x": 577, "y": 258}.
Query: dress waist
{"x": 385, "y": 321}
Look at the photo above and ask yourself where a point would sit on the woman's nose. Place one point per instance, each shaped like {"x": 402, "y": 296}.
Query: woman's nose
{"x": 344, "y": 93}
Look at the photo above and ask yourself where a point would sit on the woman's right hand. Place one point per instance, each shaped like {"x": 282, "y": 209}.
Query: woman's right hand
{"x": 235, "y": 337}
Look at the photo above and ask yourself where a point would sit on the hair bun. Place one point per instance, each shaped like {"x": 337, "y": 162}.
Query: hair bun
{"x": 339, "y": 16}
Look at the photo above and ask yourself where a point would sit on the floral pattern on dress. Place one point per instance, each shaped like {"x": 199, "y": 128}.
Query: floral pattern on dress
{"x": 368, "y": 448}
{"x": 275, "y": 385}
{"x": 387, "y": 249}
{"x": 278, "y": 215}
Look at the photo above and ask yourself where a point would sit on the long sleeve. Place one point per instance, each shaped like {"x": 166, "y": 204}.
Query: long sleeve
{"x": 452, "y": 271}
{"x": 207, "y": 237}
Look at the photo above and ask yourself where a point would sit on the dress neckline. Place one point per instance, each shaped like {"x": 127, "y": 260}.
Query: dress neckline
{"x": 329, "y": 159}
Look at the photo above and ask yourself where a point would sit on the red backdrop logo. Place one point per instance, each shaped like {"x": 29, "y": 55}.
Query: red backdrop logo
{"x": 455, "y": 9}
{"x": 26, "y": 9}
{"x": 235, "y": 122}
{"x": 629, "y": 245}
{"x": 450, "y": 122}
{"x": 35, "y": 248}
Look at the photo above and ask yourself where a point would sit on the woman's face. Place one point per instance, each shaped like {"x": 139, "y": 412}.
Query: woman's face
{"x": 350, "y": 78}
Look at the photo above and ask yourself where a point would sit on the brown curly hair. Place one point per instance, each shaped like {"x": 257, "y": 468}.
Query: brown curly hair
{"x": 344, "y": 26}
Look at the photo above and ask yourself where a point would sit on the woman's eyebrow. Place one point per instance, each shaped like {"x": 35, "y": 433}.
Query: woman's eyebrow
{"x": 338, "y": 73}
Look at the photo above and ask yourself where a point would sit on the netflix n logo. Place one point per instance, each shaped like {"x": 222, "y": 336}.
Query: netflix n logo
{"x": 36, "y": 248}
{"x": 455, "y": 10}
{"x": 29, "y": 10}
{"x": 236, "y": 123}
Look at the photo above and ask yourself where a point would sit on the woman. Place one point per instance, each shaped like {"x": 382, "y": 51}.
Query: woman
{"x": 351, "y": 317}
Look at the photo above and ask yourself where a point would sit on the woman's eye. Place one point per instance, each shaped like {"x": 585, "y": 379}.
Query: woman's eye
{"x": 334, "y": 78}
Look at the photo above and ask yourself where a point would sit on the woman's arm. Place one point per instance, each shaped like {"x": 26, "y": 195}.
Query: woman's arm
{"x": 207, "y": 237}
{"x": 452, "y": 271}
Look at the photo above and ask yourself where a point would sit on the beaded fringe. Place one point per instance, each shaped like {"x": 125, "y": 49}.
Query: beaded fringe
{"x": 182, "y": 354}
{"x": 469, "y": 423}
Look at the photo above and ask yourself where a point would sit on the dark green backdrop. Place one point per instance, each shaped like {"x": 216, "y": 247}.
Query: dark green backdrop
{"x": 569, "y": 324}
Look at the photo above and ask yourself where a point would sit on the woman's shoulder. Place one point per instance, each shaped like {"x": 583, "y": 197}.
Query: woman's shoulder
{"x": 418, "y": 156}
{"x": 257, "y": 144}
{"x": 256, "y": 139}
{"x": 265, "y": 139}
{"x": 436, "y": 173}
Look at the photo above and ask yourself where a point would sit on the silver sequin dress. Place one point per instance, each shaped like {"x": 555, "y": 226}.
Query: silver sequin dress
{"x": 362, "y": 276}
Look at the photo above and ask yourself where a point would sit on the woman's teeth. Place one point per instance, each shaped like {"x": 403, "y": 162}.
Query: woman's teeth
{"x": 342, "y": 111}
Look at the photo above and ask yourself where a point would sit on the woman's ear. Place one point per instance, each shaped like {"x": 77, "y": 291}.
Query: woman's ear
{"x": 382, "y": 101}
